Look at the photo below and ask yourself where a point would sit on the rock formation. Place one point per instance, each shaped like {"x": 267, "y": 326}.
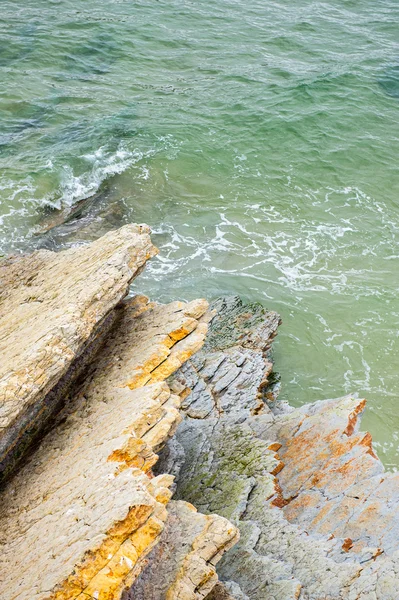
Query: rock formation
{"x": 297, "y": 496}
{"x": 54, "y": 308}
{"x": 182, "y": 565}
{"x": 317, "y": 514}
{"x": 78, "y": 519}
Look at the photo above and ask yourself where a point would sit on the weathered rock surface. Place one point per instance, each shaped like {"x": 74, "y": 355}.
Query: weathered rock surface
{"x": 302, "y": 490}
{"x": 317, "y": 514}
{"x": 182, "y": 565}
{"x": 54, "y": 307}
{"x": 77, "y": 520}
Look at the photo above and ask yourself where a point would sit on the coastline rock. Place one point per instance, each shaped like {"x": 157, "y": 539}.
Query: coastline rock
{"x": 78, "y": 519}
{"x": 55, "y": 310}
{"x": 317, "y": 514}
{"x": 182, "y": 565}
{"x": 297, "y": 496}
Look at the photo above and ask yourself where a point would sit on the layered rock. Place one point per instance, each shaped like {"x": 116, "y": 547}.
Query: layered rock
{"x": 182, "y": 565}
{"x": 54, "y": 309}
{"x": 78, "y": 519}
{"x": 86, "y": 518}
{"x": 317, "y": 514}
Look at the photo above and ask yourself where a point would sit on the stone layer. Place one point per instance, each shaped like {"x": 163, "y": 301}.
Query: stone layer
{"x": 54, "y": 310}
{"x": 182, "y": 565}
{"x": 317, "y": 514}
{"x": 78, "y": 519}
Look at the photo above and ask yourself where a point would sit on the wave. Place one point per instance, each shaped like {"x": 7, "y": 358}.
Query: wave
{"x": 102, "y": 164}
{"x": 23, "y": 202}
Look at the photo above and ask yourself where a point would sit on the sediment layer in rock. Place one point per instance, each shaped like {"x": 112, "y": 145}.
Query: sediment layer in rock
{"x": 86, "y": 518}
{"x": 54, "y": 307}
{"x": 317, "y": 514}
{"x": 77, "y": 520}
{"x": 182, "y": 565}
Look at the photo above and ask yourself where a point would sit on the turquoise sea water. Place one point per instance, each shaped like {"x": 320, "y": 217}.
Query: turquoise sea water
{"x": 259, "y": 140}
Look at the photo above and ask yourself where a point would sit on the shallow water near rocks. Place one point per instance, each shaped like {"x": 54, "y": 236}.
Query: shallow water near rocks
{"x": 259, "y": 140}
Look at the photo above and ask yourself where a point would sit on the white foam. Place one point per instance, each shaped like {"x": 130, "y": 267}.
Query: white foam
{"x": 102, "y": 164}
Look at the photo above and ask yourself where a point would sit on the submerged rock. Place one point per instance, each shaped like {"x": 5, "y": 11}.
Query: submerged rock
{"x": 85, "y": 221}
{"x": 389, "y": 81}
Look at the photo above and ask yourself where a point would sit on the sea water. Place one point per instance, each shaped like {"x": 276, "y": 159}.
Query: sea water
{"x": 259, "y": 139}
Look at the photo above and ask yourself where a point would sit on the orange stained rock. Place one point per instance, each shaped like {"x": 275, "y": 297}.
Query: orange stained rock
{"x": 89, "y": 479}
{"x": 106, "y": 584}
{"x": 352, "y": 418}
{"x": 332, "y": 481}
{"x": 96, "y": 559}
{"x": 347, "y": 545}
{"x": 274, "y": 447}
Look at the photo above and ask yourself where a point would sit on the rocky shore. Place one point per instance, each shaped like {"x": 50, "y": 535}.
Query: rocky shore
{"x": 111, "y": 405}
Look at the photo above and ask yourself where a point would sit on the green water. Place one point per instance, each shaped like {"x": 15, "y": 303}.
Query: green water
{"x": 259, "y": 139}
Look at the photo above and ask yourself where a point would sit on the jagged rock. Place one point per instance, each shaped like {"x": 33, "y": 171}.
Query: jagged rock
{"x": 182, "y": 565}
{"x": 78, "y": 519}
{"x": 86, "y": 518}
{"x": 317, "y": 514}
{"x": 342, "y": 491}
{"x": 227, "y": 591}
{"x": 55, "y": 309}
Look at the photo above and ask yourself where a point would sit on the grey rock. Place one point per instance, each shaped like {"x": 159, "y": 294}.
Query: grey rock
{"x": 182, "y": 565}
{"x": 317, "y": 514}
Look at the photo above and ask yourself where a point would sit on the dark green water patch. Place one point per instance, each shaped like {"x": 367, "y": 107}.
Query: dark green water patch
{"x": 389, "y": 81}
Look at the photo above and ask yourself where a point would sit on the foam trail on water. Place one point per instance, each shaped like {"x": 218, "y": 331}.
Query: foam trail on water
{"x": 102, "y": 165}
{"x": 24, "y": 199}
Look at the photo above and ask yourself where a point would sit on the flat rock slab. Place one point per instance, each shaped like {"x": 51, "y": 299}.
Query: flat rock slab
{"x": 78, "y": 519}
{"x": 52, "y": 307}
